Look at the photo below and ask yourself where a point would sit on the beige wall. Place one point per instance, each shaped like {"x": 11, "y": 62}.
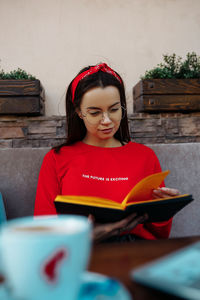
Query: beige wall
{"x": 54, "y": 39}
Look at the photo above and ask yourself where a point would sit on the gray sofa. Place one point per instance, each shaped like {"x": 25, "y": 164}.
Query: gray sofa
{"x": 20, "y": 167}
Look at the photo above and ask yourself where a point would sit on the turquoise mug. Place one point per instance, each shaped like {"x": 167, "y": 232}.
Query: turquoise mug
{"x": 44, "y": 258}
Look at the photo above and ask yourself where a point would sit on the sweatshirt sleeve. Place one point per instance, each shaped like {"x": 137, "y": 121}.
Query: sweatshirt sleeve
{"x": 48, "y": 187}
{"x": 160, "y": 229}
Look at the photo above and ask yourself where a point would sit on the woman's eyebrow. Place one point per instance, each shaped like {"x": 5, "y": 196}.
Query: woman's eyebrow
{"x": 118, "y": 102}
{"x": 94, "y": 107}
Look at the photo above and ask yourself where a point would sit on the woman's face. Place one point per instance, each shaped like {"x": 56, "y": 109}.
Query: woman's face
{"x": 101, "y": 112}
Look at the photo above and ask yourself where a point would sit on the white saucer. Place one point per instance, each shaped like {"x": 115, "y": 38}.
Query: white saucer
{"x": 96, "y": 286}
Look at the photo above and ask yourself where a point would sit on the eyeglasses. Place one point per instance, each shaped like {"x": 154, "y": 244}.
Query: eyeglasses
{"x": 94, "y": 116}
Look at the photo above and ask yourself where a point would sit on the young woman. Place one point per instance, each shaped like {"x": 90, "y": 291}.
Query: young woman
{"x": 98, "y": 158}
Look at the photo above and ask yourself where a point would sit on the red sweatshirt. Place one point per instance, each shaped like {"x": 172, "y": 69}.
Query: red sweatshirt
{"x": 81, "y": 169}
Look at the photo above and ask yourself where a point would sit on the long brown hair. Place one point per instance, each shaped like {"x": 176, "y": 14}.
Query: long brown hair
{"x": 76, "y": 130}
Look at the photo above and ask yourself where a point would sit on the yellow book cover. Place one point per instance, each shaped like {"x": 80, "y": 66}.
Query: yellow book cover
{"x": 137, "y": 200}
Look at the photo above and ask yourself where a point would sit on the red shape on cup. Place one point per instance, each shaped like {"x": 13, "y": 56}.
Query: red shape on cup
{"x": 50, "y": 268}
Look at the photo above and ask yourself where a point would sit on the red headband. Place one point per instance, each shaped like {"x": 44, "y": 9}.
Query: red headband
{"x": 101, "y": 67}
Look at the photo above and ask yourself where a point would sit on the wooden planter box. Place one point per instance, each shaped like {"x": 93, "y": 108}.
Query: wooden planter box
{"x": 162, "y": 95}
{"x": 21, "y": 97}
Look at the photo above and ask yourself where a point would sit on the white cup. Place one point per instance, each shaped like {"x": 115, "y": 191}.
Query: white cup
{"x": 44, "y": 258}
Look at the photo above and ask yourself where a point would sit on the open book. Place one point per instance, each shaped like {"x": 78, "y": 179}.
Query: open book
{"x": 137, "y": 200}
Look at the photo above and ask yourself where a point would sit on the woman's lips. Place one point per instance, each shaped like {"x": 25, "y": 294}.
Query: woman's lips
{"x": 106, "y": 131}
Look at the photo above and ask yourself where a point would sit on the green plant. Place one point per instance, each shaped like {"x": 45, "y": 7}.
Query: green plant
{"x": 175, "y": 67}
{"x": 16, "y": 74}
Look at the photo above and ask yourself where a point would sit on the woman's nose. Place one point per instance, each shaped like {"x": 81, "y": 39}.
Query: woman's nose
{"x": 105, "y": 118}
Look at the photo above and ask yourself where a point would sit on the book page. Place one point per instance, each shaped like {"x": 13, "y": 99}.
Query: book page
{"x": 143, "y": 189}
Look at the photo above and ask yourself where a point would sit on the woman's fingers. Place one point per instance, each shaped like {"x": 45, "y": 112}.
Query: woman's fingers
{"x": 125, "y": 221}
{"x": 103, "y": 231}
{"x": 158, "y": 194}
{"x": 100, "y": 232}
{"x": 170, "y": 191}
{"x": 165, "y": 192}
{"x": 91, "y": 218}
{"x": 114, "y": 227}
{"x": 128, "y": 223}
{"x": 135, "y": 222}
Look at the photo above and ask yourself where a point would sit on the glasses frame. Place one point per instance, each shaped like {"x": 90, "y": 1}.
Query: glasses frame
{"x": 123, "y": 109}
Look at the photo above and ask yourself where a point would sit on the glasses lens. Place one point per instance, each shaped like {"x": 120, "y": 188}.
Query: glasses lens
{"x": 93, "y": 117}
{"x": 114, "y": 114}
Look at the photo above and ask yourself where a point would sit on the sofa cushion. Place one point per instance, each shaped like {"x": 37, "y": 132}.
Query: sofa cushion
{"x": 183, "y": 160}
{"x": 18, "y": 179}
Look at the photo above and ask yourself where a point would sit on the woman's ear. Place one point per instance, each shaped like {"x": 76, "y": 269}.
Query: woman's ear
{"x": 79, "y": 113}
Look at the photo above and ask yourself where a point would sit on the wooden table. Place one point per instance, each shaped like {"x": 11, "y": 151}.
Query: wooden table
{"x": 117, "y": 260}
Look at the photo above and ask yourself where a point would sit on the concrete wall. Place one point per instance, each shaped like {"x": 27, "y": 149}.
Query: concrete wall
{"x": 54, "y": 39}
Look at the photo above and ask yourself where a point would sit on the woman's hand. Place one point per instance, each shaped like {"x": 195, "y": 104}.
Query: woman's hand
{"x": 165, "y": 192}
{"x": 104, "y": 231}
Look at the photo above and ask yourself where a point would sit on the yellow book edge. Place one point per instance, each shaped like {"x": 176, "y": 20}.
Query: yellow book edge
{"x": 106, "y": 203}
{"x": 88, "y": 200}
